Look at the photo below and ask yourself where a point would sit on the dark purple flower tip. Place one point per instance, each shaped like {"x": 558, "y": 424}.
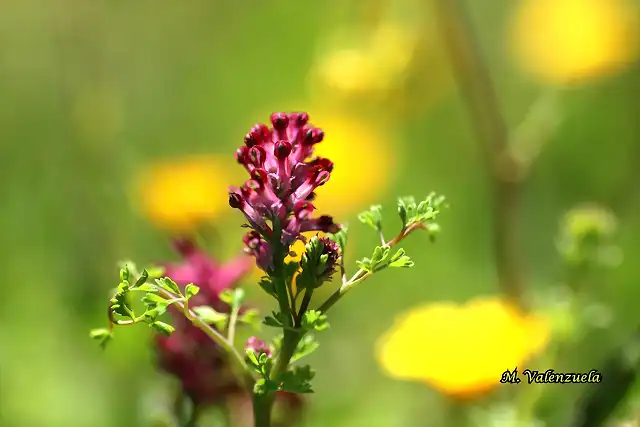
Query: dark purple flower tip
{"x": 241, "y": 155}
{"x": 327, "y": 225}
{"x": 299, "y": 119}
{"x": 282, "y": 149}
{"x": 252, "y": 139}
{"x": 313, "y": 136}
{"x": 280, "y": 121}
{"x": 303, "y": 209}
{"x": 311, "y": 197}
{"x": 257, "y": 155}
{"x": 236, "y": 200}
{"x": 258, "y": 346}
{"x": 261, "y": 176}
{"x": 323, "y": 163}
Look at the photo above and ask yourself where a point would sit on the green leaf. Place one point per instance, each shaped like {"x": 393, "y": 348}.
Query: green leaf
{"x": 123, "y": 288}
{"x": 169, "y": 285}
{"x": 124, "y": 274}
{"x": 120, "y": 306}
{"x": 433, "y": 229}
{"x": 314, "y": 319}
{"x": 252, "y": 358}
{"x": 238, "y": 298}
{"x": 151, "y": 299}
{"x": 401, "y": 260}
{"x": 379, "y": 260}
{"x": 340, "y": 238}
{"x": 163, "y": 328}
{"x": 191, "y": 290}
{"x": 267, "y": 285}
{"x": 260, "y": 387}
{"x": 147, "y": 287}
{"x": 153, "y": 312}
{"x": 297, "y": 380}
{"x": 211, "y": 316}
{"x": 155, "y": 272}
{"x": 142, "y": 279}
{"x": 233, "y": 297}
{"x": 306, "y": 346}
{"x": 274, "y": 321}
{"x": 364, "y": 264}
{"x": 102, "y": 335}
{"x": 226, "y": 296}
{"x": 372, "y": 217}
{"x": 250, "y": 317}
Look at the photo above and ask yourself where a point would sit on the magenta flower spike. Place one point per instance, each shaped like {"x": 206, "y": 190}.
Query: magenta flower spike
{"x": 282, "y": 178}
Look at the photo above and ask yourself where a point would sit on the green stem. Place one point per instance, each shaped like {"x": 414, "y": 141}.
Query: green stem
{"x": 233, "y": 319}
{"x": 362, "y": 274}
{"x": 262, "y": 406}
{"x": 237, "y": 360}
{"x": 304, "y": 306}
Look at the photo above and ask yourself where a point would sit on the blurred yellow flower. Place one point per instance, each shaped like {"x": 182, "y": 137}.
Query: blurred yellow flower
{"x": 365, "y": 164}
{"x": 566, "y": 41}
{"x": 180, "y": 194}
{"x": 461, "y": 350}
{"x": 376, "y": 66}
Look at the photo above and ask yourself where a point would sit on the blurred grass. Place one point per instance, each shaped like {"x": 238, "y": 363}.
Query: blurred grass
{"x": 90, "y": 90}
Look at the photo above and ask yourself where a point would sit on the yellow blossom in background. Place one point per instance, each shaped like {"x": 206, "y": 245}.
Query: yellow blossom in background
{"x": 375, "y": 66}
{"x": 365, "y": 164}
{"x": 462, "y": 350}
{"x": 566, "y": 41}
{"x": 180, "y": 194}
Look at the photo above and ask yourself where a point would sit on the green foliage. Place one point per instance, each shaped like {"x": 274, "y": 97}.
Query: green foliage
{"x": 586, "y": 237}
{"x": 297, "y": 380}
{"x": 168, "y": 285}
{"x": 382, "y": 259}
{"x": 313, "y": 265}
{"x": 262, "y": 364}
{"x": 411, "y": 212}
{"x": 233, "y": 297}
{"x": 211, "y": 316}
{"x": 156, "y": 299}
{"x": 307, "y": 345}
{"x": 276, "y": 320}
{"x": 191, "y": 290}
{"x": 162, "y": 327}
{"x": 372, "y": 217}
{"x": 267, "y": 285}
{"x": 250, "y": 317}
{"x": 102, "y": 335}
{"x": 294, "y": 380}
{"x": 314, "y": 320}
{"x": 340, "y": 238}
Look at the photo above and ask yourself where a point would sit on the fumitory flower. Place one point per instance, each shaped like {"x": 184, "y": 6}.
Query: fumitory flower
{"x": 462, "y": 351}
{"x": 188, "y": 353}
{"x": 258, "y": 346}
{"x": 284, "y": 174}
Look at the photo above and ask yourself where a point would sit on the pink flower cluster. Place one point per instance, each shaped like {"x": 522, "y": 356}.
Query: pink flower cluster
{"x": 276, "y": 200}
{"x": 188, "y": 353}
{"x": 198, "y": 363}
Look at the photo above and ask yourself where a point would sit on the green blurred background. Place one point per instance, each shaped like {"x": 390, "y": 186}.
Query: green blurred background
{"x": 91, "y": 91}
